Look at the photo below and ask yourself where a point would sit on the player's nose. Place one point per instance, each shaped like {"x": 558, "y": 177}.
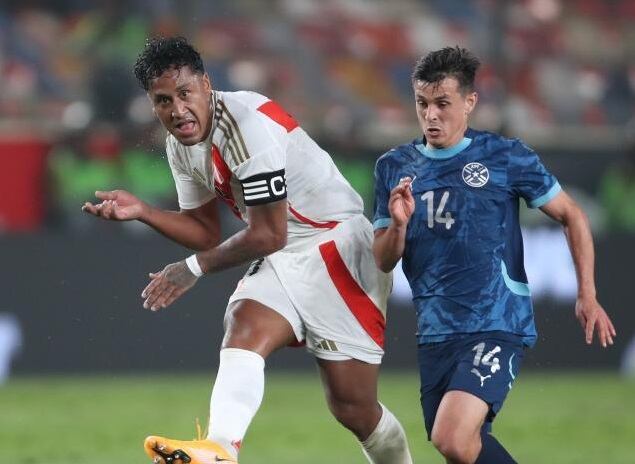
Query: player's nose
{"x": 179, "y": 109}
{"x": 430, "y": 114}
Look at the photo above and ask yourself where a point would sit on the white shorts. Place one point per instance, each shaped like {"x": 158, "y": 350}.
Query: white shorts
{"x": 329, "y": 289}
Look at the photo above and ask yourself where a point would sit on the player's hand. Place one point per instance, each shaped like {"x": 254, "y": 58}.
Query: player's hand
{"x": 401, "y": 204}
{"x": 593, "y": 318}
{"x": 168, "y": 285}
{"x": 117, "y": 205}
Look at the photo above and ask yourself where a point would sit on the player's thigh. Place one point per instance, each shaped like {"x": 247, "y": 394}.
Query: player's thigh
{"x": 260, "y": 317}
{"x": 351, "y": 381}
{"x": 459, "y": 418}
{"x": 437, "y": 364}
{"x": 255, "y": 327}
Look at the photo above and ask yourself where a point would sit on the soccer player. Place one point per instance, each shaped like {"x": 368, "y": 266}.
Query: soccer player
{"x": 447, "y": 204}
{"x": 312, "y": 279}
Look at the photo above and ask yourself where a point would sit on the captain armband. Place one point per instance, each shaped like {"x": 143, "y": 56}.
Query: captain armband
{"x": 264, "y": 188}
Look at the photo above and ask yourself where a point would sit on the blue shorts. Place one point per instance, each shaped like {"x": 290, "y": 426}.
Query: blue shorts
{"x": 484, "y": 364}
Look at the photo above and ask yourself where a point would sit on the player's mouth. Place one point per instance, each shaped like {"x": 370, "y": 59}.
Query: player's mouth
{"x": 185, "y": 128}
{"x": 433, "y": 132}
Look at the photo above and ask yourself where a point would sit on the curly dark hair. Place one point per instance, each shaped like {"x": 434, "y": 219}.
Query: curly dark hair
{"x": 163, "y": 53}
{"x": 455, "y": 62}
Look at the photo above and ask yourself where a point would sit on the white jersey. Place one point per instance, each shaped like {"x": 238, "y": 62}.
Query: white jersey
{"x": 256, "y": 153}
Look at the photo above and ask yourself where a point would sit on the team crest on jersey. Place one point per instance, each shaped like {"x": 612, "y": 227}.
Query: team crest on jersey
{"x": 475, "y": 174}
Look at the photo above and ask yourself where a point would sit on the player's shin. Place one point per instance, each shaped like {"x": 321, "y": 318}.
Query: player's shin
{"x": 236, "y": 397}
{"x": 387, "y": 444}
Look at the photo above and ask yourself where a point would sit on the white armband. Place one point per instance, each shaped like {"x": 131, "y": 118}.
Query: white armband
{"x": 192, "y": 264}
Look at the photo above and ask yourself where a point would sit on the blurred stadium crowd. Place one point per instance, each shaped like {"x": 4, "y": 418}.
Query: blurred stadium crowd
{"x": 559, "y": 73}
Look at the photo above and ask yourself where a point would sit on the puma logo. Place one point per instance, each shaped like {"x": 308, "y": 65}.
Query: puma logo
{"x": 478, "y": 374}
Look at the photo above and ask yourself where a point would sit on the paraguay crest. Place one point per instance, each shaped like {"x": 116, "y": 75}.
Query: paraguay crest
{"x": 475, "y": 174}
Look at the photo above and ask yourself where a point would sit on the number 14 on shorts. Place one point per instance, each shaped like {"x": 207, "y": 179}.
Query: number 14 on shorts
{"x": 488, "y": 359}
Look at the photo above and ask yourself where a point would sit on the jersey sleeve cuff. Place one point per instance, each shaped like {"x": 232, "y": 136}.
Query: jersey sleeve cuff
{"x": 381, "y": 223}
{"x": 196, "y": 204}
{"x": 546, "y": 198}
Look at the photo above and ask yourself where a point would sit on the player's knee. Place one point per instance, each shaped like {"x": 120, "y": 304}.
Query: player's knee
{"x": 245, "y": 333}
{"x": 346, "y": 414}
{"x": 240, "y": 330}
{"x": 456, "y": 449}
{"x": 354, "y": 417}
{"x": 243, "y": 320}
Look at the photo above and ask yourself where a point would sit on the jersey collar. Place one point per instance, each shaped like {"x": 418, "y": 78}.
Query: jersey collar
{"x": 444, "y": 153}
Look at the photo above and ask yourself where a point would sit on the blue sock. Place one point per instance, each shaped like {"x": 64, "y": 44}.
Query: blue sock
{"x": 493, "y": 452}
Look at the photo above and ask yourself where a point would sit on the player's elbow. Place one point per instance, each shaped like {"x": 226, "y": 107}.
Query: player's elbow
{"x": 583, "y": 217}
{"x": 206, "y": 242}
{"x": 277, "y": 241}
{"x": 208, "y": 237}
{"x": 381, "y": 262}
{"x": 384, "y": 266}
{"x": 574, "y": 215}
{"x": 269, "y": 240}
{"x": 273, "y": 245}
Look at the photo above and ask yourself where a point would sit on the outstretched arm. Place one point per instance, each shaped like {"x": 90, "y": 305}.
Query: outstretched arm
{"x": 266, "y": 233}
{"x": 389, "y": 243}
{"x": 589, "y": 312}
{"x": 197, "y": 229}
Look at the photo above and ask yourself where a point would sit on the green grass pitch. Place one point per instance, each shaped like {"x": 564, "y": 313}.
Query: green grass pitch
{"x": 548, "y": 418}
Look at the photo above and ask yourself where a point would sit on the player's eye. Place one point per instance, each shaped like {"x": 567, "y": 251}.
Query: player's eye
{"x": 163, "y": 100}
{"x": 184, "y": 93}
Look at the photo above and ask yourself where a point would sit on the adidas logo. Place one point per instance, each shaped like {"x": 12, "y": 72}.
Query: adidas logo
{"x": 327, "y": 345}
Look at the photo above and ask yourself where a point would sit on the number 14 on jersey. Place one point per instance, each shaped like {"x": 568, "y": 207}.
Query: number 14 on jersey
{"x": 439, "y": 216}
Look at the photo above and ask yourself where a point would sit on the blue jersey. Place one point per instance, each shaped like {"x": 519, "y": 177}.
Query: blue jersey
{"x": 464, "y": 251}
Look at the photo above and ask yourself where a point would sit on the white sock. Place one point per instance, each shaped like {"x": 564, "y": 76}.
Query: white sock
{"x": 236, "y": 396}
{"x": 387, "y": 444}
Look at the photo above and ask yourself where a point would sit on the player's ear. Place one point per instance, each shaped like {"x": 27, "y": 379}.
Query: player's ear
{"x": 207, "y": 83}
{"x": 470, "y": 102}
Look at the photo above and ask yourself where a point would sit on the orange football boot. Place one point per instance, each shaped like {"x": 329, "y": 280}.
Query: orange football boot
{"x": 166, "y": 451}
